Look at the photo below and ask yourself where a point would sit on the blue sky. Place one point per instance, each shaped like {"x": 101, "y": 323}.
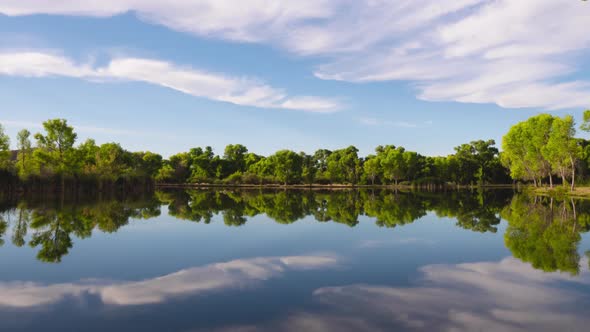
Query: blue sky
{"x": 291, "y": 74}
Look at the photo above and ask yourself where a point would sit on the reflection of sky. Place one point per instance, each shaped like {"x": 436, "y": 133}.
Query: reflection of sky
{"x": 484, "y": 296}
{"x": 149, "y": 248}
{"x": 155, "y": 269}
{"x": 505, "y": 295}
{"x": 182, "y": 283}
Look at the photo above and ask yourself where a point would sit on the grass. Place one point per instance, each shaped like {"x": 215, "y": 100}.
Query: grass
{"x": 578, "y": 192}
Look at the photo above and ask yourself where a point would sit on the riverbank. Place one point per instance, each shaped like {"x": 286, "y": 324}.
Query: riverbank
{"x": 332, "y": 186}
{"x": 579, "y": 192}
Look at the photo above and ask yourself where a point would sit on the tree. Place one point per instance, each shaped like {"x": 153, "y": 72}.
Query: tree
{"x": 56, "y": 148}
{"x": 523, "y": 149}
{"x": 111, "y": 161}
{"x": 309, "y": 169}
{"x": 235, "y": 154}
{"x": 320, "y": 159}
{"x": 4, "y": 149}
{"x": 201, "y": 164}
{"x": 148, "y": 163}
{"x": 24, "y": 162}
{"x": 476, "y": 161}
{"x": 287, "y": 166}
{"x": 343, "y": 165}
{"x": 562, "y": 150}
{"x": 585, "y": 126}
{"x": 372, "y": 168}
{"x": 393, "y": 163}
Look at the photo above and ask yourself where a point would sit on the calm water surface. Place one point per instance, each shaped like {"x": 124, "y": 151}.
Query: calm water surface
{"x": 295, "y": 261}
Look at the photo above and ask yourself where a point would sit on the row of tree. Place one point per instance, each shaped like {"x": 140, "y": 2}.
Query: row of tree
{"x": 53, "y": 157}
{"x": 476, "y": 162}
{"x": 535, "y": 151}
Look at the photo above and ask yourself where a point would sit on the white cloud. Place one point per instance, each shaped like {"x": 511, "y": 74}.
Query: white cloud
{"x": 236, "y": 90}
{"x": 511, "y": 53}
{"x": 194, "y": 281}
{"x": 246, "y": 20}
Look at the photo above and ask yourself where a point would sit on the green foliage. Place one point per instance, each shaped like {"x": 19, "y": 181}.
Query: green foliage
{"x": 536, "y": 150}
{"x": 287, "y": 166}
{"x": 4, "y": 149}
{"x": 343, "y": 166}
{"x": 585, "y": 126}
{"x": 540, "y": 148}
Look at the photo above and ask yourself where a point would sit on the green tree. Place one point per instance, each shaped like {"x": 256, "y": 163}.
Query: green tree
{"x": 235, "y": 156}
{"x": 309, "y": 169}
{"x": 372, "y": 168}
{"x": 111, "y": 161}
{"x": 56, "y": 151}
{"x": 4, "y": 149}
{"x": 476, "y": 161}
{"x": 523, "y": 149}
{"x": 24, "y": 146}
{"x": 562, "y": 150}
{"x": 287, "y": 165}
{"x": 393, "y": 163}
{"x": 320, "y": 159}
{"x": 585, "y": 126}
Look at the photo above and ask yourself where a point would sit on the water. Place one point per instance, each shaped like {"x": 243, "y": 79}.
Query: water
{"x": 295, "y": 261}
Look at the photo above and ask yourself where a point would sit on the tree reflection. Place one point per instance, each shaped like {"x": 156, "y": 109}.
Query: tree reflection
{"x": 394, "y": 209}
{"x": 477, "y": 211}
{"x": 52, "y": 232}
{"x": 53, "y": 224}
{"x": 541, "y": 231}
{"x": 3, "y": 228}
{"x": 545, "y": 232}
{"x": 20, "y": 229}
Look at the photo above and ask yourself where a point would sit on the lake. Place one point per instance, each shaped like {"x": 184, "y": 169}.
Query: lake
{"x": 228, "y": 260}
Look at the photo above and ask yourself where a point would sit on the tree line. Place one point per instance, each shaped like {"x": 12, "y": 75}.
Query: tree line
{"x": 52, "y": 158}
{"x": 540, "y": 150}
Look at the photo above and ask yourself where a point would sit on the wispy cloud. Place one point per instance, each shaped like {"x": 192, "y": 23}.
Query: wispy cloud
{"x": 369, "y": 121}
{"x": 522, "y": 53}
{"x": 237, "y": 90}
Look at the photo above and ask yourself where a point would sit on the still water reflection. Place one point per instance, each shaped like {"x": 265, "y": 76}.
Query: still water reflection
{"x": 295, "y": 261}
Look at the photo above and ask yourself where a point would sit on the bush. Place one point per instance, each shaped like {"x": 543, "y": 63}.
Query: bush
{"x": 322, "y": 180}
{"x": 250, "y": 178}
{"x": 235, "y": 178}
{"x": 200, "y": 179}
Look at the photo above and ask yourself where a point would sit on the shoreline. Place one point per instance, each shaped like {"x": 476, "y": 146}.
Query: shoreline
{"x": 333, "y": 186}
{"x": 579, "y": 192}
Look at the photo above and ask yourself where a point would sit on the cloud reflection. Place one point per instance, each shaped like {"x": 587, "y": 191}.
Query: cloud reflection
{"x": 232, "y": 274}
{"x": 485, "y": 296}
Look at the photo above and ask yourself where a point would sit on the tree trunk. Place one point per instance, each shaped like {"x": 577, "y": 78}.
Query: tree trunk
{"x": 573, "y": 174}
{"x": 550, "y": 180}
